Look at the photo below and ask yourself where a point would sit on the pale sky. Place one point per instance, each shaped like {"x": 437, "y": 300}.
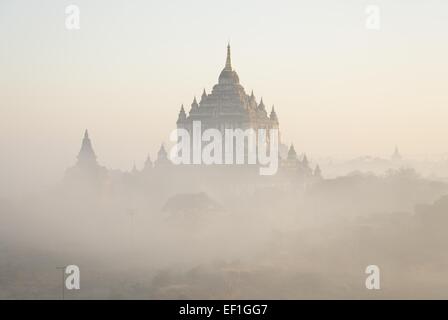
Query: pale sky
{"x": 339, "y": 89}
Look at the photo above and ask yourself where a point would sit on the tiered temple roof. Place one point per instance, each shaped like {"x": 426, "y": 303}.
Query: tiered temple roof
{"x": 228, "y": 103}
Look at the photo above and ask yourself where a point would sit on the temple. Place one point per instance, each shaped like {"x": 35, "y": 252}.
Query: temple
{"x": 86, "y": 156}
{"x": 227, "y": 106}
{"x": 86, "y": 165}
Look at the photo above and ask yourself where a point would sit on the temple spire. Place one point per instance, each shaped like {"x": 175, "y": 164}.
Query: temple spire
{"x": 273, "y": 115}
{"x": 194, "y": 104}
{"x": 148, "y": 163}
{"x": 228, "y": 60}
{"x": 162, "y": 157}
{"x": 162, "y": 152}
{"x": 261, "y": 105}
{"x": 292, "y": 155}
{"x": 182, "y": 115}
{"x": 227, "y": 75}
{"x": 305, "y": 161}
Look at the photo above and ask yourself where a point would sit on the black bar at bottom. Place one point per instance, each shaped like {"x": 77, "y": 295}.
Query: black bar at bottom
{"x": 223, "y": 309}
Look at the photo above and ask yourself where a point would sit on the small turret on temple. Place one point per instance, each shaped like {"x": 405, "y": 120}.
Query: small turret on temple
{"x": 194, "y": 104}
{"x": 292, "y": 154}
{"x": 273, "y": 115}
{"x": 305, "y": 161}
{"x": 162, "y": 157}
{"x": 261, "y": 106}
{"x": 305, "y": 167}
{"x": 182, "y": 115}
{"x": 204, "y": 95}
{"x": 148, "y": 166}
{"x": 291, "y": 161}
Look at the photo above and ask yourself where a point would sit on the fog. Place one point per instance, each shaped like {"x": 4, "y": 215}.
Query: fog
{"x": 225, "y": 233}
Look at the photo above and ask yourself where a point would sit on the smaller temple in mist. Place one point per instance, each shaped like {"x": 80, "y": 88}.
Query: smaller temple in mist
{"x": 86, "y": 156}
{"x": 396, "y": 156}
{"x": 86, "y": 165}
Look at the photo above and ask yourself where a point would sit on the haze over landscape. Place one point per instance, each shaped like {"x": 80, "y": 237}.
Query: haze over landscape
{"x": 363, "y": 165}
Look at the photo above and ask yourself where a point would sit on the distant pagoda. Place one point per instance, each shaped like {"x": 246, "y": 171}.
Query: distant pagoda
{"x": 396, "y": 156}
{"x": 86, "y": 165}
{"x": 86, "y": 156}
